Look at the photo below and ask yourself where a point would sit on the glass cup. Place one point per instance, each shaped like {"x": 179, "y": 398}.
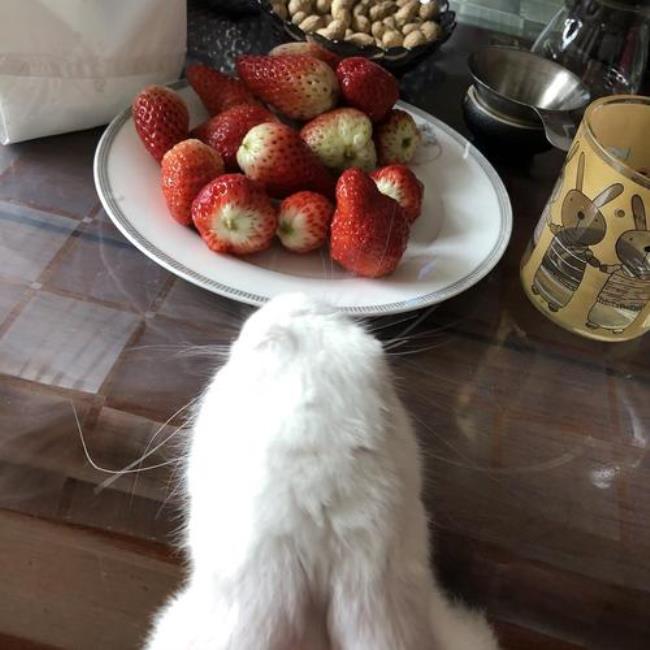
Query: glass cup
{"x": 587, "y": 267}
{"x": 604, "y": 42}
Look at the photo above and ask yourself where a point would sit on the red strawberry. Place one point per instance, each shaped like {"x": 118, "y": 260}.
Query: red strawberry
{"x": 367, "y": 86}
{"x": 161, "y": 119}
{"x": 299, "y": 86}
{"x": 274, "y": 154}
{"x": 311, "y": 49}
{"x": 304, "y": 221}
{"x": 234, "y": 215}
{"x": 225, "y": 131}
{"x": 401, "y": 184}
{"x": 185, "y": 169}
{"x": 369, "y": 230}
{"x": 217, "y": 90}
{"x": 397, "y": 138}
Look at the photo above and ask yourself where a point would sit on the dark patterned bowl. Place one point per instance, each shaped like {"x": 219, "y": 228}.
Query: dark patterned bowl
{"x": 393, "y": 58}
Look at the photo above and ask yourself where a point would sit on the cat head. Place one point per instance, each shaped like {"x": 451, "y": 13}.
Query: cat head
{"x": 297, "y": 366}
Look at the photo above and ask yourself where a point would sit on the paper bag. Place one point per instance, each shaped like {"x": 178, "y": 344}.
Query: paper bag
{"x": 67, "y": 65}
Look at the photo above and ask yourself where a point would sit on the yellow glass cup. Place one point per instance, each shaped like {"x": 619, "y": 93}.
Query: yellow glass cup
{"x": 587, "y": 267}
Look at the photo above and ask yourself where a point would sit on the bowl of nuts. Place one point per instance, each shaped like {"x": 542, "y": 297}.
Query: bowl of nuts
{"x": 395, "y": 33}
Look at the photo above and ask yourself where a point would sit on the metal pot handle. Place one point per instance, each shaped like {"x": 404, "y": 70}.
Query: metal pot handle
{"x": 560, "y": 126}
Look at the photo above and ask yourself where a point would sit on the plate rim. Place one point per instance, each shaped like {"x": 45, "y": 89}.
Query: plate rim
{"x": 124, "y": 225}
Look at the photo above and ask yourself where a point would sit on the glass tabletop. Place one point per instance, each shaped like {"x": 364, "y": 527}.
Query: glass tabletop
{"x": 535, "y": 440}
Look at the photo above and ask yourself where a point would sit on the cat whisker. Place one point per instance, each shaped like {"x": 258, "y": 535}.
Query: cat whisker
{"x": 161, "y": 427}
{"x": 131, "y": 468}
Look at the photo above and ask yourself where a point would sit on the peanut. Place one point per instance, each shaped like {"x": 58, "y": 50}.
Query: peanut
{"x": 299, "y": 5}
{"x": 341, "y": 4}
{"x": 430, "y": 10}
{"x": 327, "y": 19}
{"x": 360, "y": 39}
{"x": 407, "y": 13}
{"x": 334, "y": 31}
{"x": 410, "y": 27}
{"x": 360, "y": 10}
{"x": 414, "y": 39}
{"x": 298, "y": 17}
{"x": 341, "y": 12}
{"x": 311, "y": 24}
{"x": 382, "y": 10}
{"x": 401, "y": 3}
{"x": 345, "y": 17}
{"x": 389, "y": 21}
{"x": 391, "y": 38}
{"x": 361, "y": 24}
{"x": 280, "y": 9}
{"x": 432, "y": 31}
{"x": 377, "y": 30}
{"x": 323, "y": 6}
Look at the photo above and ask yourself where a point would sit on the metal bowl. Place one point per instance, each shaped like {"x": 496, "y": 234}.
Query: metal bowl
{"x": 501, "y": 134}
{"x": 393, "y": 58}
{"x": 530, "y": 89}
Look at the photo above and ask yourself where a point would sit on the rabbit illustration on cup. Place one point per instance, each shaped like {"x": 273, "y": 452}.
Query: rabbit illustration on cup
{"x": 565, "y": 261}
{"x": 545, "y": 218}
{"x": 627, "y": 290}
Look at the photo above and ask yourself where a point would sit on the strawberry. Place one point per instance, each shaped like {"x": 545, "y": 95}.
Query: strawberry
{"x": 401, "y": 184}
{"x": 367, "y": 86}
{"x": 342, "y": 138}
{"x": 234, "y": 215}
{"x": 303, "y": 221}
{"x": 397, "y": 138}
{"x": 298, "y": 86}
{"x": 369, "y": 230}
{"x": 217, "y": 90}
{"x": 225, "y": 131}
{"x": 161, "y": 119}
{"x": 185, "y": 169}
{"x": 311, "y": 49}
{"x": 275, "y": 155}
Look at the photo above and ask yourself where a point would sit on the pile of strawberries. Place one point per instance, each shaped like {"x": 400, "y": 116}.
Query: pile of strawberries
{"x": 292, "y": 124}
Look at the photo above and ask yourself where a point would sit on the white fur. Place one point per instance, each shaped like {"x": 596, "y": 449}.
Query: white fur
{"x": 306, "y": 530}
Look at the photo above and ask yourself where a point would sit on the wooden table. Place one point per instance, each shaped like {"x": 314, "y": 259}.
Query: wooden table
{"x": 536, "y": 440}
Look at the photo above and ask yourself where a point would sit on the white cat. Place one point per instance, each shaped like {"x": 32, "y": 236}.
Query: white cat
{"x": 306, "y": 530}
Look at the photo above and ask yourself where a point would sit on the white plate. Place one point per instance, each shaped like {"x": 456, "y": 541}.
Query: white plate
{"x": 462, "y": 233}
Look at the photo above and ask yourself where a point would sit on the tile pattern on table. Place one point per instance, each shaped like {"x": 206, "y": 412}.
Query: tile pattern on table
{"x": 8, "y": 154}
{"x": 100, "y": 264}
{"x": 29, "y": 240}
{"x": 65, "y": 342}
{"x": 121, "y": 512}
{"x": 75, "y": 589}
{"x": 203, "y": 309}
{"x": 514, "y": 455}
{"x": 165, "y": 368}
{"x": 38, "y": 439}
{"x": 631, "y": 465}
{"x": 53, "y": 174}
{"x": 10, "y": 295}
{"x": 44, "y": 469}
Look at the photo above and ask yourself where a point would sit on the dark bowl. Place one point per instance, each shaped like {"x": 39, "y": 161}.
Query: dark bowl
{"x": 393, "y": 58}
{"x": 508, "y": 137}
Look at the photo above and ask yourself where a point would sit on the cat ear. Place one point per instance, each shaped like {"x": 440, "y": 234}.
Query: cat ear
{"x": 638, "y": 211}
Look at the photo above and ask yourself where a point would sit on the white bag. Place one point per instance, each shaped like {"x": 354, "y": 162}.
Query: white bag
{"x": 67, "y": 65}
